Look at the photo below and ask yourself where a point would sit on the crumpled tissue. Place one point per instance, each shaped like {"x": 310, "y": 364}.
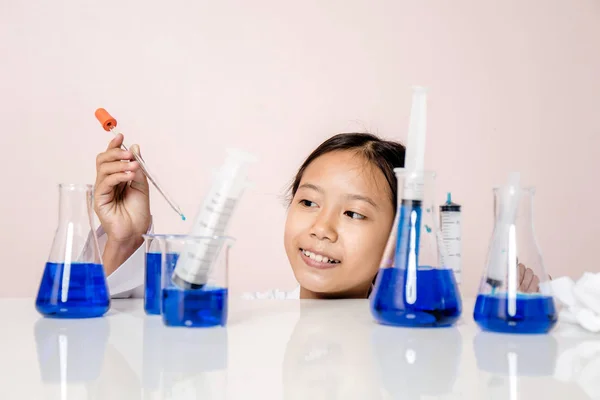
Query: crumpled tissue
{"x": 580, "y": 300}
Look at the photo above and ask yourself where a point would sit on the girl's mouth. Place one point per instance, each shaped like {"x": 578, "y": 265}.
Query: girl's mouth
{"x": 317, "y": 260}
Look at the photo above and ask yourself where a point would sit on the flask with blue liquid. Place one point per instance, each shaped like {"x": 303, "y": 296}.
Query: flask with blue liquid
{"x": 74, "y": 284}
{"x": 514, "y": 294}
{"x": 413, "y": 287}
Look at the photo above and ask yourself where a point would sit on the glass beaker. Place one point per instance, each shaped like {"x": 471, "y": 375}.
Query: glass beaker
{"x": 413, "y": 288}
{"x": 152, "y": 273}
{"x": 196, "y": 306}
{"x": 514, "y": 294}
{"x": 73, "y": 284}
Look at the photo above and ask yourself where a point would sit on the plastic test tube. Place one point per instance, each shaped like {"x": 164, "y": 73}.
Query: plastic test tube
{"x": 110, "y": 124}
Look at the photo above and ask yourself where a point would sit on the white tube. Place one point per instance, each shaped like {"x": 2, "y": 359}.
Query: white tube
{"x": 415, "y": 149}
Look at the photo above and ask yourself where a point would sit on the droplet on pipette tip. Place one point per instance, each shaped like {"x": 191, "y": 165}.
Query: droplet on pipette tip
{"x": 182, "y": 217}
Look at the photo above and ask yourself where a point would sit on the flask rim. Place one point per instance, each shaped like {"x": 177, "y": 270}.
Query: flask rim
{"x": 193, "y": 238}
{"x": 404, "y": 171}
{"x": 83, "y": 187}
{"x": 523, "y": 189}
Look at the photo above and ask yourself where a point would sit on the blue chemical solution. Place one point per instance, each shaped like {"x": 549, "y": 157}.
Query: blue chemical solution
{"x": 437, "y": 302}
{"x": 76, "y": 290}
{"x": 194, "y": 308}
{"x": 152, "y": 285}
{"x": 534, "y": 313}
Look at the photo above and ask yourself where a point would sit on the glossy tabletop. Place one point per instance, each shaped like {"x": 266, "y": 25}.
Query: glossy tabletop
{"x": 285, "y": 349}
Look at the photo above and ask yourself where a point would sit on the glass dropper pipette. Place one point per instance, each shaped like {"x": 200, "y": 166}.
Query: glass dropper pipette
{"x": 110, "y": 124}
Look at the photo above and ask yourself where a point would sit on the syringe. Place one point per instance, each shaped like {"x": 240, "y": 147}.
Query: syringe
{"x": 196, "y": 259}
{"x": 110, "y": 125}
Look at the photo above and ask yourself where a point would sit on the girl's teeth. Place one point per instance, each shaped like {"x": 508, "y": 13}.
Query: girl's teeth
{"x": 318, "y": 257}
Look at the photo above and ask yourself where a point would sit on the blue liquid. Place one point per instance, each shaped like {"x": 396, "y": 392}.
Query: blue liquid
{"x": 81, "y": 294}
{"x": 152, "y": 285}
{"x": 534, "y": 313}
{"x": 437, "y": 302}
{"x": 194, "y": 308}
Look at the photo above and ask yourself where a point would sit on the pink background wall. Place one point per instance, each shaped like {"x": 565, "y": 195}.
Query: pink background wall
{"x": 513, "y": 85}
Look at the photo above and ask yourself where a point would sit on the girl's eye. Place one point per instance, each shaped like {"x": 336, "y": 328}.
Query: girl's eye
{"x": 308, "y": 203}
{"x": 354, "y": 215}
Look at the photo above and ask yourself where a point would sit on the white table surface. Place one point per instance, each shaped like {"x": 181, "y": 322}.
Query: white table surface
{"x": 285, "y": 349}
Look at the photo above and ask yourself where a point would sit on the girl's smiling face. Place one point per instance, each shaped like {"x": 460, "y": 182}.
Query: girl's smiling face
{"x": 337, "y": 225}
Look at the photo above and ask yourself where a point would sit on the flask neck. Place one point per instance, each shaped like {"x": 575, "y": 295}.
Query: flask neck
{"x": 524, "y": 208}
{"x": 75, "y": 205}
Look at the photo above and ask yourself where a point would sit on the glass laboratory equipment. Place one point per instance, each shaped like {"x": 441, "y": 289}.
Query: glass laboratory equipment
{"x": 200, "y": 306}
{"x": 73, "y": 284}
{"x": 413, "y": 288}
{"x": 152, "y": 272}
{"x": 514, "y": 294}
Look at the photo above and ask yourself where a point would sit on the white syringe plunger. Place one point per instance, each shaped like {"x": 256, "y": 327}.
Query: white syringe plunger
{"x": 415, "y": 149}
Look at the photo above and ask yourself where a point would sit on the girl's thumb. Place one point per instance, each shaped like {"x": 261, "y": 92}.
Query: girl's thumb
{"x": 136, "y": 149}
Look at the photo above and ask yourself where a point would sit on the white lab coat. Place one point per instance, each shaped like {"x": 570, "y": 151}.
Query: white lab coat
{"x": 127, "y": 280}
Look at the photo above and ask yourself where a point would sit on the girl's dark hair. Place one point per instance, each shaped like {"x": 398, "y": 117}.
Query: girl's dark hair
{"x": 384, "y": 154}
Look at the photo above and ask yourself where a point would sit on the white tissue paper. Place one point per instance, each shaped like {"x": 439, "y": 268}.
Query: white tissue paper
{"x": 581, "y": 300}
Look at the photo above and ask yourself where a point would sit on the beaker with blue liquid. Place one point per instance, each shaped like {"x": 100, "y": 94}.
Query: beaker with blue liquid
{"x": 196, "y": 305}
{"x": 514, "y": 294}
{"x": 413, "y": 288}
{"x": 74, "y": 284}
{"x": 154, "y": 246}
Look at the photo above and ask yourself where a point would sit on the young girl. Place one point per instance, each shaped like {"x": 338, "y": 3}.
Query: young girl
{"x": 341, "y": 209}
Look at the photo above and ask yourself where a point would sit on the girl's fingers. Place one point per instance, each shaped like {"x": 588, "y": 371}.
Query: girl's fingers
{"x": 527, "y": 280}
{"x": 521, "y": 272}
{"x": 535, "y": 285}
{"x": 111, "y": 155}
{"x": 114, "y": 167}
{"x": 136, "y": 149}
{"x": 106, "y": 186}
{"x": 116, "y": 142}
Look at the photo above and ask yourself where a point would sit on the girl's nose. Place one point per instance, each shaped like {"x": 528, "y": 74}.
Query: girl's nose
{"x": 324, "y": 228}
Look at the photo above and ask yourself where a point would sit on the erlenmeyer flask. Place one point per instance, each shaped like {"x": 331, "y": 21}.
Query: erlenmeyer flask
{"x": 74, "y": 284}
{"x": 413, "y": 288}
{"x": 514, "y": 295}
